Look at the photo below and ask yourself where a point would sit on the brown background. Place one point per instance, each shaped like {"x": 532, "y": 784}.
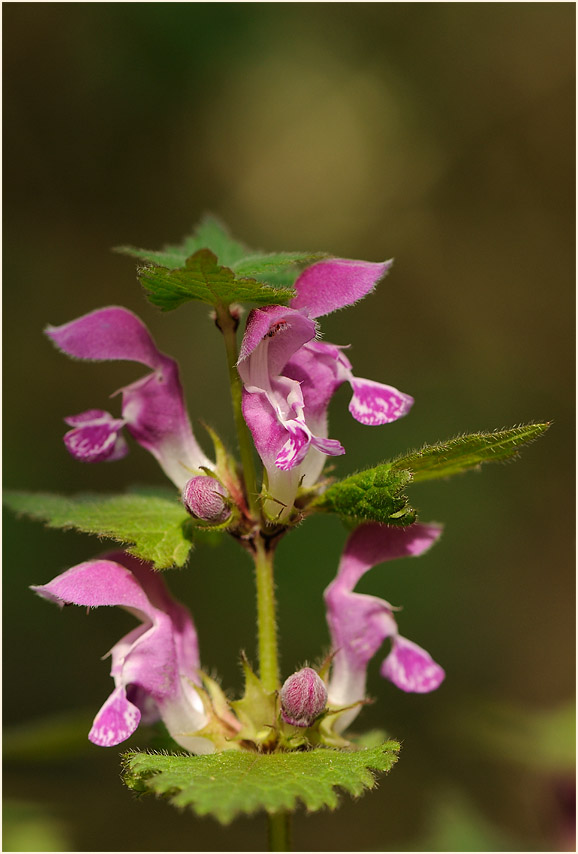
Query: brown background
{"x": 441, "y": 134}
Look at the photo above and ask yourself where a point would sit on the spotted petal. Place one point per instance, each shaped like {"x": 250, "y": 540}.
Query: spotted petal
{"x": 411, "y": 668}
{"x": 116, "y": 721}
{"x": 96, "y": 437}
{"x": 374, "y": 403}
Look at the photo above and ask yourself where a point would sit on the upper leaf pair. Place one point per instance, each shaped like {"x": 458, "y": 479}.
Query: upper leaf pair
{"x": 212, "y": 267}
{"x": 156, "y": 528}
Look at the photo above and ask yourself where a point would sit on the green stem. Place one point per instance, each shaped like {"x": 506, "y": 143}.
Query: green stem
{"x": 266, "y": 616}
{"x": 280, "y": 831}
{"x": 228, "y": 326}
{"x": 263, "y": 556}
{"x": 279, "y": 823}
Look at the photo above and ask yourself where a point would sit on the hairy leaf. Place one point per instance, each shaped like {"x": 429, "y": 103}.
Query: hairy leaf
{"x": 372, "y": 495}
{"x": 276, "y": 268}
{"x": 232, "y": 782}
{"x": 152, "y": 527}
{"x": 203, "y": 278}
{"x": 262, "y": 265}
{"x": 210, "y": 234}
{"x": 462, "y": 453}
{"x": 376, "y": 494}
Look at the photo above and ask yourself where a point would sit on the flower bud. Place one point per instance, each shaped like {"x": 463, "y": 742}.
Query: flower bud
{"x": 204, "y": 498}
{"x": 303, "y": 698}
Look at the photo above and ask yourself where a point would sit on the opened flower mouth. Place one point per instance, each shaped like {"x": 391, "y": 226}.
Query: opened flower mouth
{"x": 290, "y": 377}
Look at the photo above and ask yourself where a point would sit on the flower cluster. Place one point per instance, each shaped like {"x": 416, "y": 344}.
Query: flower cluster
{"x": 289, "y": 376}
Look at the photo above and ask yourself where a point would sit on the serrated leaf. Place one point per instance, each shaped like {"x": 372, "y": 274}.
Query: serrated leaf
{"x": 275, "y": 268}
{"x": 462, "y": 453}
{"x": 151, "y": 527}
{"x": 371, "y": 495}
{"x": 209, "y": 234}
{"x": 202, "y": 278}
{"x": 227, "y": 784}
{"x": 376, "y": 494}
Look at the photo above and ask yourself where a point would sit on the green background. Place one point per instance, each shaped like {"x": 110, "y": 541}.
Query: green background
{"x": 440, "y": 134}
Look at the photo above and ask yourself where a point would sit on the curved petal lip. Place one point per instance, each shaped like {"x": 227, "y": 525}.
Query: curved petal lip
{"x": 374, "y": 403}
{"x": 97, "y": 442}
{"x": 116, "y": 721}
{"x": 108, "y": 333}
{"x": 411, "y": 668}
{"x": 284, "y": 329}
{"x": 333, "y": 284}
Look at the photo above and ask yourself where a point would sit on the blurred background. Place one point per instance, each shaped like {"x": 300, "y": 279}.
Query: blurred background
{"x": 440, "y": 134}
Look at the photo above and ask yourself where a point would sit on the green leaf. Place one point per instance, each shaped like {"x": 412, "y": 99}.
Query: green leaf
{"x": 263, "y": 265}
{"x": 153, "y": 527}
{"x": 237, "y": 273}
{"x": 376, "y": 494}
{"x": 229, "y": 783}
{"x": 462, "y": 453}
{"x": 210, "y": 234}
{"x": 372, "y": 495}
{"x": 202, "y": 278}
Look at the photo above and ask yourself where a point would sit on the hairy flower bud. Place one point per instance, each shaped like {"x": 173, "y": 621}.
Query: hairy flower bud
{"x": 203, "y": 497}
{"x": 303, "y": 698}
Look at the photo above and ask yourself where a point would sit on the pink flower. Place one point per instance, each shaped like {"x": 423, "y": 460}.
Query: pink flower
{"x": 289, "y": 377}
{"x": 155, "y": 666}
{"x": 153, "y": 408}
{"x": 359, "y": 623}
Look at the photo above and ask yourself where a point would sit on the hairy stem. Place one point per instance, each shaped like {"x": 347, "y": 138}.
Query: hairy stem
{"x": 263, "y": 554}
{"x": 266, "y": 616}
{"x": 228, "y": 326}
{"x": 280, "y": 831}
{"x": 279, "y": 823}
